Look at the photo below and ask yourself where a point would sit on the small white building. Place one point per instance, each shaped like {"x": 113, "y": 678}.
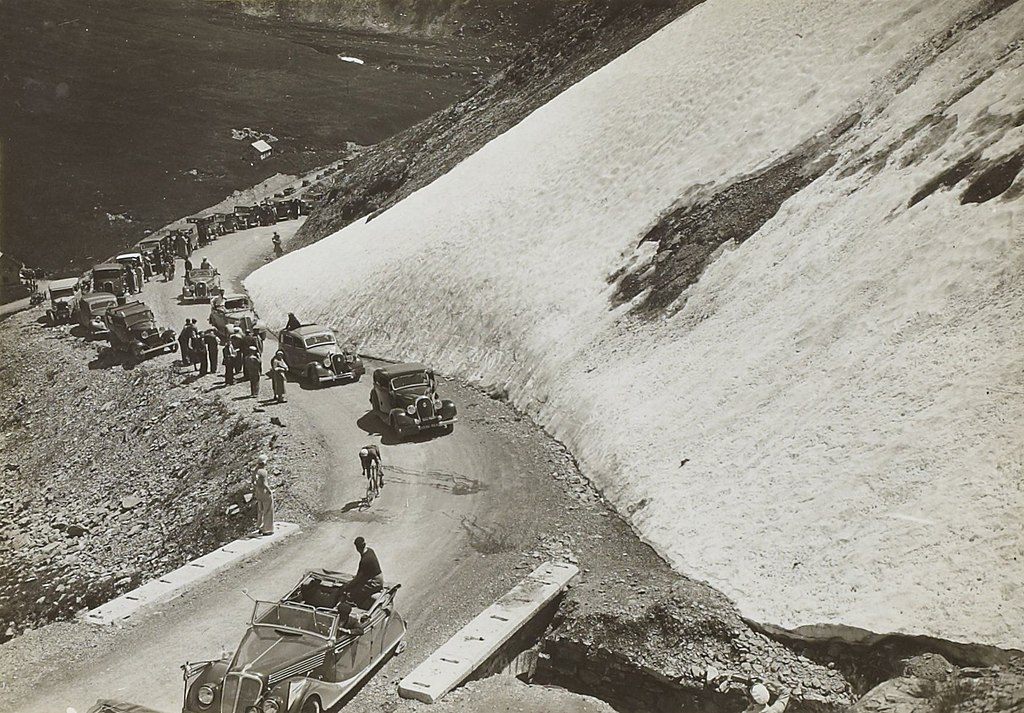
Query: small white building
{"x": 262, "y": 148}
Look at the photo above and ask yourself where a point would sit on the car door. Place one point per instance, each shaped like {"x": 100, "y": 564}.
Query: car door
{"x": 287, "y": 344}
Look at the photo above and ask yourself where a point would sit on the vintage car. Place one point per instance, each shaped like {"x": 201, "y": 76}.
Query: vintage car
{"x": 246, "y": 216}
{"x": 301, "y": 654}
{"x": 232, "y": 311}
{"x": 201, "y": 285}
{"x": 92, "y": 307}
{"x": 109, "y": 277}
{"x": 62, "y": 294}
{"x": 404, "y": 396}
{"x": 132, "y": 329}
{"x": 152, "y": 248}
{"x": 313, "y": 352}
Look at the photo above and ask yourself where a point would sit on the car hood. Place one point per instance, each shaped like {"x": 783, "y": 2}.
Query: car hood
{"x": 270, "y": 652}
{"x": 410, "y": 394}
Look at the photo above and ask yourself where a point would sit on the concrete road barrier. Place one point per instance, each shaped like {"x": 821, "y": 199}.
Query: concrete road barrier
{"x": 481, "y": 638}
{"x": 171, "y": 584}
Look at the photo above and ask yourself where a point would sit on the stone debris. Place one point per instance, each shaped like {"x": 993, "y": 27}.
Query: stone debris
{"x": 112, "y": 476}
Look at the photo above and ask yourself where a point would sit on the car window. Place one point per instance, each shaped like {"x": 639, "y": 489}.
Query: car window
{"x": 406, "y": 380}
{"x": 315, "y": 340}
{"x": 235, "y": 304}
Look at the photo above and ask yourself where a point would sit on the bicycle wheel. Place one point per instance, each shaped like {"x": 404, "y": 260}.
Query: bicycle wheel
{"x": 371, "y": 492}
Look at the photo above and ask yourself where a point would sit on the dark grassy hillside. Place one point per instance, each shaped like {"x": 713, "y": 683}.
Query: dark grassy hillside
{"x": 465, "y": 18}
{"x": 116, "y": 116}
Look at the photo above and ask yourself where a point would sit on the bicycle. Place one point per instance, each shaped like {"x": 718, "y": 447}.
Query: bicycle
{"x": 373, "y": 484}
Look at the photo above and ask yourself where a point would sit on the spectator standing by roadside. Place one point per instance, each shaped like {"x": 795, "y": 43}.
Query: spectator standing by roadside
{"x": 278, "y": 369}
{"x": 202, "y": 357}
{"x": 231, "y": 356}
{"x": 212, "y": 347}
{"x": 139, "y": 274}
{"x": 253, "y": 371}
{"x": 185, "y": 342}
{"x": 129, "y": 280}
{"x": 264, "y": 498}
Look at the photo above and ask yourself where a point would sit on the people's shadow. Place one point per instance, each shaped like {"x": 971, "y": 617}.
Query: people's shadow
{"x": 109, "y": 358}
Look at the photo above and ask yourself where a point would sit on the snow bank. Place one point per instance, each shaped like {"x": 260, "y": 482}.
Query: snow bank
{"x": 846, "y": 384}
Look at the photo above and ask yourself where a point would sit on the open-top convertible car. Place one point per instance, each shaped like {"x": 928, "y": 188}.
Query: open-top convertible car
{"x": 301, "y": 654}
{"x": 232, "y": 311}
{"x": 201, "y": 285}
{"x": 133, "y": 329}
{"x": 313, "y": 352}
{"x": 404, "y": 396}
{"x": 63, "y": 295}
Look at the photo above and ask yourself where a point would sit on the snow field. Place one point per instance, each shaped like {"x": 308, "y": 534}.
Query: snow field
{"x": 831, "y": 380}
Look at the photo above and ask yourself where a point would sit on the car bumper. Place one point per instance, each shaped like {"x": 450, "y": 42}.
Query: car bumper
{"x": 330, "y": 377}
{"x": 420, "y": 426}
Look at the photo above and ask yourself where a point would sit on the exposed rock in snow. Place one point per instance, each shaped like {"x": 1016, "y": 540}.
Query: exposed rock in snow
{"x": 843, "y": 379}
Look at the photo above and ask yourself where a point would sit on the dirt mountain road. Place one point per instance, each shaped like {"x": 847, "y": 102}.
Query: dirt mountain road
{"x": 441, "y": 493}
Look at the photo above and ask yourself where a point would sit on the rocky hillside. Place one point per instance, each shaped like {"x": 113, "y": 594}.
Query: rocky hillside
{"x": 761, "y": 273}
{"x": 111, "y": 477}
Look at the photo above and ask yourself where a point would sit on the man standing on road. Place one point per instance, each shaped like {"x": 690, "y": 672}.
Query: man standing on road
{"x": 199, "y": 352}
{"x": 253, "y": 371}
{"x": 231, "y": 356}
{"x": 212, "y": 345}
{"x": 188, "y": 333}
{"x": 278, "y": 369}
{"x": 368, "y": 580}
{"x": 139, "y": 274}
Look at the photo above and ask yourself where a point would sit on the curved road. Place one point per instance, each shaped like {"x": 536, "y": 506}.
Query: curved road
{"x": 438, "y": 490}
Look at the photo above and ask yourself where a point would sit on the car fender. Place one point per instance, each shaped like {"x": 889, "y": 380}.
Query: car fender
{"x": 196, "y": 675}
{"x": 448, "y": 409}
{"x": 400, "y": 417}
{"x": 293, "y": 692}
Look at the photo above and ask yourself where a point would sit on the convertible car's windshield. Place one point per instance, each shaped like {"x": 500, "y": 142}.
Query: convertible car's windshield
{"x": 199, "y": 274}
{"x": 108, "y": 274}
{"x": 237, "y": 303}
{"x": 315, "y": 340}
{"x": 63, "y": 292}
{"x": 295, "y": 617}
{"x": 407, "y": 380}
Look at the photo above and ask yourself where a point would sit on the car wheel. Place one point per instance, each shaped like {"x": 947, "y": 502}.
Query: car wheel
{"x": 312, "y": 705}
{"x": 311, "y": 378}
{"x": 374, "y": 402}
{"x": 393, "y": 424}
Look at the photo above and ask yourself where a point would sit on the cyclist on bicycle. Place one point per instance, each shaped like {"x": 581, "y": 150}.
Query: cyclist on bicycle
{"x": 369, "y": 455}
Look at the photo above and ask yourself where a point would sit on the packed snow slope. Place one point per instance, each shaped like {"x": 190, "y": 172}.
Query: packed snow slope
{"x": 823, "y": 415}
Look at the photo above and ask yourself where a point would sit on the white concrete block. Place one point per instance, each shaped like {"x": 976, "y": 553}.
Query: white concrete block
{"x": 462, "y": 654}
{"x": 171, "y": 584}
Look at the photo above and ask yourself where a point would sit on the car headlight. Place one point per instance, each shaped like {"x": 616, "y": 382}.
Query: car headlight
{"x": 205, "y": 695}
{"x": 327, "y": 361}
{"x": 271, "y": 705}
{"x": 410, "y": 409}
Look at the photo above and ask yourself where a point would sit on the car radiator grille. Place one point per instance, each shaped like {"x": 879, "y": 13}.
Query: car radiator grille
{"x": 425, "y": 409}
{"x": 240, "y": 692}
